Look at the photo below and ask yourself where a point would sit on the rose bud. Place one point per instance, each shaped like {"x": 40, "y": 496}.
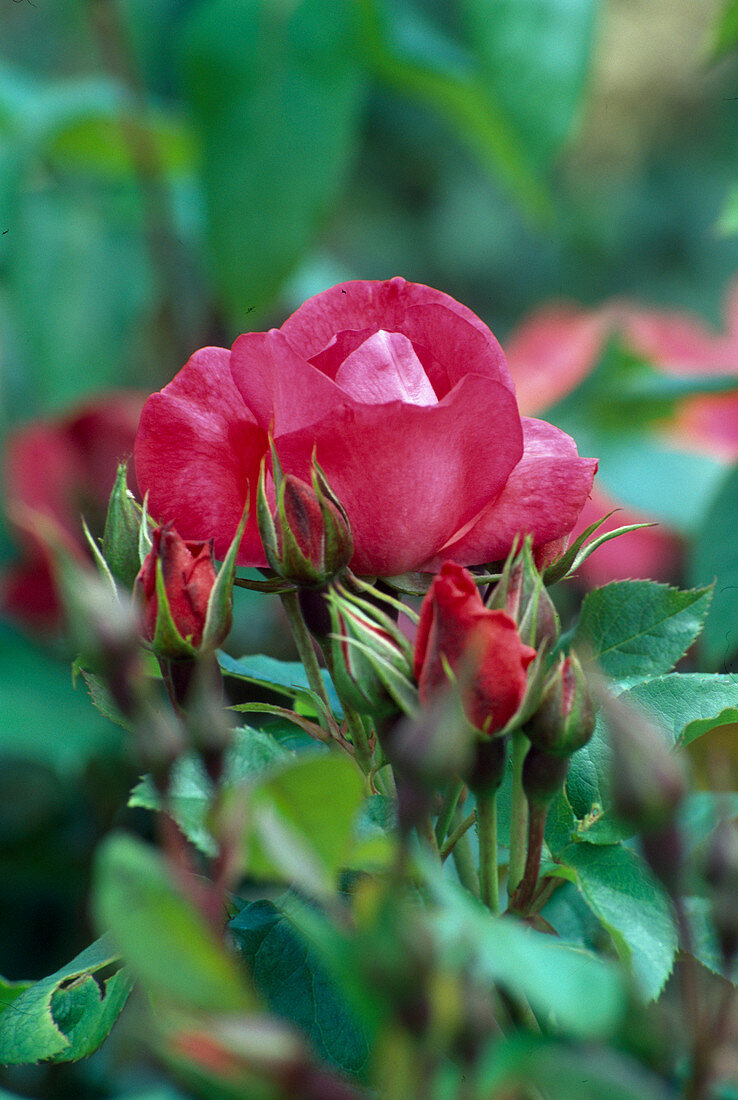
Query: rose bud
{"x": 120, "y": 541}
{"x": 370, "y": 658}
{"x": 522, "y": 593}
{"x": 721, "y": 873}
{"x": 307, "y": 540}
{"x": 543, "y": 776}
{"x": 176, "y": 584}
{"x": 565, "y": 719}
{"x": 457, "y": 634}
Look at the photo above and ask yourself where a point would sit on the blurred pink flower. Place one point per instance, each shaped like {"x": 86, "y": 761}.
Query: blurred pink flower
{"x": 63, "y": 468}
{"x": 556, "y": 348}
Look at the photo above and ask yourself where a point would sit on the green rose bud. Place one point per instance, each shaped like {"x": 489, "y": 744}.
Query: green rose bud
{"x": 565, "y": 718}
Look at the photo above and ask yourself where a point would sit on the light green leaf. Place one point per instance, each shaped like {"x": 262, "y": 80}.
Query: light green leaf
{"x": 275, "y": 91}
{"x": 633, "y": 907}
{"x": 724, "y": 37}
{"x": 191, "y": 790}
{"x": 535, "y": 56}
{"x": 160, "y": 934}
{"x": 634, "y": 630}
{"x": 286, "y": 677}
{"x": 714, "y": 557}
{"x": 67, "y": 1015}
{"x": 686, "y": 705}
{"x": 571, "y": 989}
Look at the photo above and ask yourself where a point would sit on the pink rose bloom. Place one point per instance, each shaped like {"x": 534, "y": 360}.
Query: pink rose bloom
{"x": 406, "y": 399}
{"x": 64, "y": 468}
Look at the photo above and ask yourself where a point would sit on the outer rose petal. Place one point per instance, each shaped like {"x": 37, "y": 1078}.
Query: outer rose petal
{"x": 198, "y": 453}
{"x": 409, "y": 476}
{"x": 365, "y": 304}
{"x": 543, "y": 496}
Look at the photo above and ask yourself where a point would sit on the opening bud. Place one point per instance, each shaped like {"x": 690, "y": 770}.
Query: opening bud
{"x": 521, "y": 592}
{"x": 307, "y": 539}
{"x": 565, "y": 718}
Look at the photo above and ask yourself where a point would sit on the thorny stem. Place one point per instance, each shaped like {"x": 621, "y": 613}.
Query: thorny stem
{"x": 518, "y": 814}
{"x": 487, "y": 828}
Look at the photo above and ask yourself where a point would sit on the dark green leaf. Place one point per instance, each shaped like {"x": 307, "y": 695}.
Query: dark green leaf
{"x": 714, "y": 557}
{"x": 67, "y": 1015}
{"x": 534, "y": 56}
{"x": 275, "y": 90}
{"x": 638, "y": 629}
{"x": 686, "y": 705}
{"x": 632, "y": 906}
{"x": 297, "y": 987}
{"x": 160, "y": 934}
{"x": 286, "y": 677}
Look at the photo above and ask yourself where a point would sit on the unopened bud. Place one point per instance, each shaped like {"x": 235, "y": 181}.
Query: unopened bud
{"x": 565, "y": 718}
{"x": 307, "y": 540}
{"x": 120, "y": 539}
{"x": 371, "y": 660}
{"x": 522, "y": 594}
{"x": 721, "y": 872}
{"x": 174, "y": 585}
{"x": 543, "y": 776}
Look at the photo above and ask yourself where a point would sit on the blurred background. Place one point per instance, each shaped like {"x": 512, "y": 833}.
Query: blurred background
{"x": 176, "y": 172}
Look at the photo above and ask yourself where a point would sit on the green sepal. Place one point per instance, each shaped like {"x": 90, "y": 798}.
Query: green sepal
{"x": 577, "y": 553}
{"x": 144, "y": 538}
{"x": 219, "y": 615}
{"x": 267, "y": 530}
{"x": 100, "y": 560}
{"x": 167, "y": 639}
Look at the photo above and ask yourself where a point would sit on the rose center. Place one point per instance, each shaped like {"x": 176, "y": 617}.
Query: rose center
{"x": 385, "y": 368}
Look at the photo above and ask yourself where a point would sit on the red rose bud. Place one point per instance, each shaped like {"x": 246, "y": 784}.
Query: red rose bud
{"x": 565, "y": 719}
{"x": 522, "y": 593}
{"x": 371, "y": 660}
{"x": 175, "y": 584}
{"x": 458, "y": 634}
{"x": 120, "y": 541}
{"x": 307, "y": 540}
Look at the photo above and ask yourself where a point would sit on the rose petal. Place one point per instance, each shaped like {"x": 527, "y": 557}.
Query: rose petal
{"x": 198, "y": 452}
{"x": 409, "y": 476}
{"x": 282, "y": 390}
{"x": 385, "y": 368}
{"x": 366, "y": 304}
{"x": 450, "y": 347}
{"x": 543, "y": 496}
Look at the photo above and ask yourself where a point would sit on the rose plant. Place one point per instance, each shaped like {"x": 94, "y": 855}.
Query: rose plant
{"x": 376, "y": 433}
{"x": 406, "y": 400}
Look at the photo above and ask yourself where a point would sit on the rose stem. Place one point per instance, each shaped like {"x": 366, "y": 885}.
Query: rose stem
{"x": 456, "y": 834}
{"x": 487, "y": 829}
{"x": 305, "y": 648}
{"x": 427, "y": 833}
{"x": 518, "y": 813}
{"x": 522, "y": 896}
{"x": 450, "y": 802}
{"x": 464, "y": 860}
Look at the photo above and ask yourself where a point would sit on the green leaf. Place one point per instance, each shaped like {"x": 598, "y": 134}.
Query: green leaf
{"x": 297, "y": 986}
{"x": 714, "y": 557}
{"x": 297, "y": 822}
{"x": 43, "y": 718}
{"x": 638, "y": 629}
{"x": 724, "y": 37}
{"x": 686, "y": 705}
{"x": 630, "y": 903}
{"x": 705, "y": 946}
{"x": 191, "y": 790}
{"x": 160, "y": 934}
{"x": 286, "y": 677}
{"x": 275, "y": 90}
{"x": 102, "y": 143}
{"x": 535, "y": 56}
{"x": 561, "y": 1071}
{"x": 582, "y": 994}
{"x": 10, "y": 990}
{"x": 67, "y": 1015}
